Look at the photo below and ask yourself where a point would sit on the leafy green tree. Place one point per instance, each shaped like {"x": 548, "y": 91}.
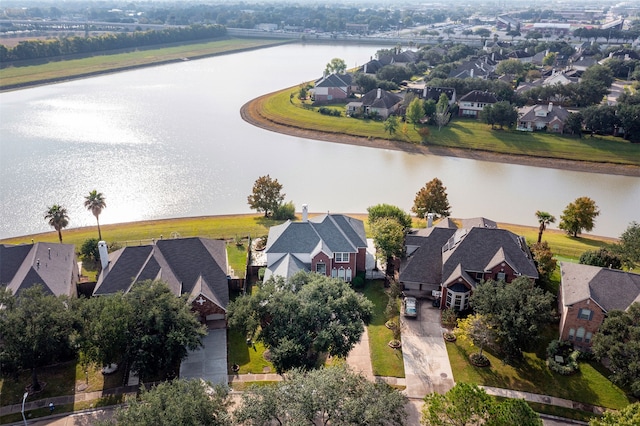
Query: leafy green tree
{"x": 600, "y": 119}
{"x": 573, "y": 124}
{"x": 629, "y": 246}
{"x": 629, "y": 116}
{"x": 330, "y": 395}
{"x": 618, "y": 341}
{"x": 544, "y": 220}
{"x": 147, "y": 330}
{"x": 628, "y": 416}
{"x": 89, "y": 250}
{"x": 178, "y": 402}
{"x": 380, "y": 211}
{"x": 579, "y": 216}
{"x": 366, "y": 82}
{"x": 476, "y": 329}
{"x": 95, "y": 202}
{"x": 388, "y": 237}
{"x": 510, "y": 66}
{"x": 483, "y": 33}
{"x": 336, "y": 65}
{"x": 467, "y": 404}
{"x": 35, "y": 329}
{"x": 415, "y": 111}
{"x": 599, "y": 73}
{"x": 432, "y": 198}
{"x": 301, "y": 319}
{"x": 516, "y": 311}
{"x": 391, "y": 125}
{"x": 549, "y": 59}
{"x": 545, "y": 262}
{"x": 58, "y": 218}
{"x": 601, "y": 257}
{"x": 429, "y": 108}
{"x": 442, "y": 115}
{"x": 285, "y": 211}
{"x": 501, "y": 113}
{"x": 266, "y": 195}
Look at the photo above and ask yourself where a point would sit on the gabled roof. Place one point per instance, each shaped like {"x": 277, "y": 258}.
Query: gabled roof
{"x": 609, "y": 288}
{"x": 433, "y": 92}
{"x": 185, "y": 264}
{"x": 424, "y": 260}
{"x": 475, "y": 248}
{"x": 337, "y": 233}
{"x": 479, "y": 96}
{"x": 287, "y": 266}
{"x": 478, "y": 68}
{"x": 480, "y": 222}
{"x": 543, "y": 113}
{"x": 378, "y": 98}
{"x": 335, "y": 80}
{"x": 50, "y": 264}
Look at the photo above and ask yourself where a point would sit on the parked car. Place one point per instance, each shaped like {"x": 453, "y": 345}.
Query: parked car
{"x": 410, "y": 307}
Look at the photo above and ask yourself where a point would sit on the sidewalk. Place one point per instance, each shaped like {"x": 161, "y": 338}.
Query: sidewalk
{"x": 543, "y": 399}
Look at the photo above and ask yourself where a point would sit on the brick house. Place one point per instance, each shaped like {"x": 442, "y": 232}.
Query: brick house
{"x": 331, "y": 244}
{"x": 587, "y": 293}
{"x": 197, "y": 267}
{"x": 541, "y": 117}
{"x": 376, "y": 101}
{"x": 473, "y": 102}
{"x": 332, "y": 87}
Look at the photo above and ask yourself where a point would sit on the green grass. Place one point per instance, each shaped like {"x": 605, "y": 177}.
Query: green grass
{"x": 250, "y": 358}
{"x": 385, "y": 361}
{"x": 460, "y": 133}
{"x": 237, "y": 255}
{"x": 106, "y": 62}
{"x": 589, "y": 386}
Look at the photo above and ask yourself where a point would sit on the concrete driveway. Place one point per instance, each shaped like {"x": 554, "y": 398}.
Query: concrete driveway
{"x": 426, "y": 363}
{"x": 209, "y": 362}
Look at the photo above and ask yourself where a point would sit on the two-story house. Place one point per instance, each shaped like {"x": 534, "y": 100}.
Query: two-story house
{"x": 473, "y": 102}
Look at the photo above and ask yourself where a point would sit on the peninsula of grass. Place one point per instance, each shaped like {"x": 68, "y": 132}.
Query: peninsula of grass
{"x": 283, "y": 108}
{"x": 103, "y": 62}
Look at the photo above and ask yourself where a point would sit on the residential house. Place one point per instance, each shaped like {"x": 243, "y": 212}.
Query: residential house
{"x": 431, "y": 92}
{"x": 334, "y": 245}
{"x": 473, "y": 102}
{"x": 197, "y": 267}
{"x": 52, "y": 265}
{"x": 587, "y": 293}
{"x": 559, "y": 78}
{"x": 376, "y": 101}
{"x": 332, "y": 87}
{"x": 478, "y": 68}
{"x": 582, "y": 63}
{"x": 541, "y": 117}
{"x": 522, "y": 55}
{"x": 449, "y": 263}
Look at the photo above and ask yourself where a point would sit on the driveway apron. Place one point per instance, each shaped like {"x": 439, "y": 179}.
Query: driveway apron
{"x": 209, "y": 362}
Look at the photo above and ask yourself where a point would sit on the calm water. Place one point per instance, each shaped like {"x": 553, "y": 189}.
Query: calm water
{"x": 169, "y": 141}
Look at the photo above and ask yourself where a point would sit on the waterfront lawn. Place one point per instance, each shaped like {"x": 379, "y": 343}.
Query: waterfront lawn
{"x": 283, "y": 107}
{"x": 590, "y": 385}
{"x": 104, "y": 61}
{"x": 385, "y": 361}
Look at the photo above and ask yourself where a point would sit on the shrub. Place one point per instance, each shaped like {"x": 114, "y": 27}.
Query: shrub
{"x": 329, "y": 111}
{"x": 285, "y": 211}
{"x": 570, "y": 356}
{"x": 479, "y": 360}
{"x": 449, "y": 317}
{"x": 357, "y": 282}
{"x": 89, "y": 250}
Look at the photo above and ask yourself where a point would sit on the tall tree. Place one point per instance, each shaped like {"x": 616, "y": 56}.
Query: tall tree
{"x": 516, "y": 311}
{"x": 380, "y": 211}
{"x": 442, "y": 115}
{"x": 302, "y": 318}
{"x": 178, "y": 402}
{"x": 476, "y": 329}
{"x": 579, "y": 216}
{"x": 95, "y": 202}
{"x": 266, "y": 195}
{"x": 35, "y": 329}
{"x": 545, "y": 262}
{"x": 391, "y": 125}
{"x": 573, "y": 124}
{"x": 388, "y": 237}
{"x": 618, "y": 341}
{"x": 415, "y": 111}
{"x": 629, "y": 246}
{"x": 432, "y": 198}
{"x": 58, "y": 218}
{"x": 336, "y": 65}
{"x": 467, "y": 404}
{"x": 544, "y": 219}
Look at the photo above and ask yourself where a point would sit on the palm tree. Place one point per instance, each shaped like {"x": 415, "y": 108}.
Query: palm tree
{"x": 544, "y": 219}
{"x": 95, "y": 202}
{"x": 58, "y": 218}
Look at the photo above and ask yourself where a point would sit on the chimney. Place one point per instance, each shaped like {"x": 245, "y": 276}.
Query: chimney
{"x": 471, "y": 73}
{"x": 429, "y": 220}
{"x": 493, "y": 56}
{"x": 104, "y": 254}
{"x": 379, "y": 95}
{"x": 550, "y": 107}
{"x": 305, "y": 213}
{"x": 364, "y": 71}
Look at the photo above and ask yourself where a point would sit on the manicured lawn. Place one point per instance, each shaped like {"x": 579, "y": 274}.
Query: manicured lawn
{"x": 105, "y": 62}
{"x": 385, "y": 361}
{"x": 250, "y": 358}
{"x": 237, "y": 255}
{"x": 589, "y": 386}
{"x": 460, "y": 133}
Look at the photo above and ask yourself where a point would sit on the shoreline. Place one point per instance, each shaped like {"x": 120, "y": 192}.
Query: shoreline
{"x": 251, "y": 113}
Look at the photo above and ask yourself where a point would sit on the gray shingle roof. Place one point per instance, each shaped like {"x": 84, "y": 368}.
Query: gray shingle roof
{"x": 425, "y": 263}
{"x": 609, "y": 288}
{"x": 50, "y": 264}
{"x": 479, "y": 96}
{"x": 287, "y": 266}
{"x": 182, "y": 263}
{"x": 531, "y": 113}
{"x": 386, "y": 99}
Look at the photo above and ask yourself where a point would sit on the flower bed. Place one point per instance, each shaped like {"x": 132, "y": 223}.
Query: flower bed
{"x": 479, "y": 360}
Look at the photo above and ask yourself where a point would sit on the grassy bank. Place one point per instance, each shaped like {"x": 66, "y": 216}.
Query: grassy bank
{"x": 105, "y": 62}
{"x": 284, "y": 108}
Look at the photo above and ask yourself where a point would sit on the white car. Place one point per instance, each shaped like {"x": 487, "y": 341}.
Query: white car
{"x": 410, "y": 307}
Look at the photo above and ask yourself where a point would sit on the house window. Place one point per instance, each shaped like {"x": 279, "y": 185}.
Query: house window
{"x": 334, "y": 273}
{"x": 342, "y": 257}
{"x": 572, "y": 333}
{"x": 585, "y": 314}
{"x": 587, "y": 337}
{"x": 580, "y": 334}
{"x": 321, "y": 268}
{"x": 347, "y": 278}
{"x": 501, "y": 276}
{"x": 479, "y": 276}
{"x": 342, "y": 274}
{"x": 458, "y": 301}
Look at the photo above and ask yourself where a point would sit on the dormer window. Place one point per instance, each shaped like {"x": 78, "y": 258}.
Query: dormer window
{"x": 341, "y": 257}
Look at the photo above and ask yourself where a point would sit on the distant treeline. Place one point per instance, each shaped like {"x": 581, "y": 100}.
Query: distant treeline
{"x": 611, "y": 34}
{"x": 42, "y": 49}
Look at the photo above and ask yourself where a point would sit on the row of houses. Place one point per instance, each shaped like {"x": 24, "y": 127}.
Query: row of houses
{"x": 443, "y": 262}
